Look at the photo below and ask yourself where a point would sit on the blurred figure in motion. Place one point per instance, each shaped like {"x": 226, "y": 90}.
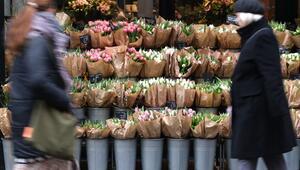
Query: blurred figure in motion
{"x": 37, "y": 42}
{"x": 261, "y": 123}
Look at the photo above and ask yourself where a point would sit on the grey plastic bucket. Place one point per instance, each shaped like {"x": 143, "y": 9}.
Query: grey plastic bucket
{"x": 79, "y": 113}
{"x": 261, "y": 165}
{"x": 97, "y": 154}
{"x": 292, "y": 159}
{"x": 152, "y": 153}
{"x": 125, "y": 154}
{"x": 204, "y": 153}
{"x": 208, "y": 110}
{"x": 121, "y": 113}
{"x": 178, "y": 154}
{"x": 77, "y": 149}
{"x": 232, "y": 163}
{"x": 8, "y": 153}
{"x": 99, "y": 114}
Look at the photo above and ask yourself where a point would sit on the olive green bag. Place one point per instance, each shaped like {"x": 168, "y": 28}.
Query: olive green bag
{"x": 53, "y": 132}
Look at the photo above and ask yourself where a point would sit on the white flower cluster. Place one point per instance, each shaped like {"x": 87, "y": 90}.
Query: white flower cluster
{"x": 152, "y": 55}
{"x": 203, "y": 28}
{"x": 291, "y": 56}
{"x": 146, "y": 84}
{"x": 186, "y": 84}
{"x": 224, "y": 30}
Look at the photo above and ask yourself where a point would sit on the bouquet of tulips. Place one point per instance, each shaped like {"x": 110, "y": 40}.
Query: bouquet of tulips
{"x": 228, "y": 37}
{"x": 75, "y": 63}
{"x": 80, "y": 5}
{"x": 154, "y": 92}
{"x": 101, "y": 34}
{"x": 99, "y": 62}
{"x": 283, "y": 36}
{"x": 225, "y": 85}
{"x": 127, "y": 93}
{"x": 202, "y": 61}
{"x": 225, "y": 125}
{"x": 185, "y": 93}
{"x": 149, "y": 34}
{"x": 208, "y": 95}
{"x": 76, "y": 35}
{"x": 163, "y": 33}
{"x": 290, "y": 63}
{"x": 154, "y": 64}
{"x": 296, "y": 37}
{"x": 5, "y": 114}
{"x": 186, "y": 34}
{"x": 185, "y": 64}
{"x": 228, "y": 62}
{"x": 205, "y": 36}
{"x": 177, "y": 123}
{"x": 78, "y": 94}
{"x": 205, "y": 125}
{"x": 171, "y": 91}
{"x": 122, "y": 129}
{"x": 128, "y": 34}
{"x": 149, "y": 123}
{"x": 102, "y": 94}
{"x": 214, "y": 63}
{"x": 96, "y": 129}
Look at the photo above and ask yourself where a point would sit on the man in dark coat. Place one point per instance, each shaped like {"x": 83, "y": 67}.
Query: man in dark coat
{"x": 261, "y": 122}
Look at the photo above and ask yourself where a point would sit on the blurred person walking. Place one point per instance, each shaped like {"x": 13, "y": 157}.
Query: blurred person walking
{"x": 38, "y": 43}
{"x": 261, "y": 123}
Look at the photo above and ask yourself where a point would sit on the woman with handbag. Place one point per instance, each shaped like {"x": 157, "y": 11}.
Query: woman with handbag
{"x": 38, "y": 44}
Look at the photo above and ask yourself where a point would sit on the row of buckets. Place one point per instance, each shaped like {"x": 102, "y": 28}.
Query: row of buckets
{"x": 125, "y": 152}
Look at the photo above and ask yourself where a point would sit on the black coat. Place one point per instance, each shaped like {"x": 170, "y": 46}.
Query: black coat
{"x": 34, "y": 76}
{"x": 261, "y": 122}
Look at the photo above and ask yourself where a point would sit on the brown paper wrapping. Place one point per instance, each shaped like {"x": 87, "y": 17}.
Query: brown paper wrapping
{"x": 125, "y": 100}
{"x": 225, "y": 127}
{"x": 190, "y": 71}
{"x": 80, "y": 132}
{"x": 120, "y": 37}
{"x": 283, "y": 64}
{"x": 213, "y": 67}
{"x": 217, "y": 99}
{"x": 100, "y": 67}
{"x": 94, "y": 133}
{"x": 204, "y": 39}
{"x": 174, "y": 34}
{"x": 171, "y": 94}
{"x": 5, "y": 122}
{"x": 162, "y": 37}
{"x": 211, "y": 129}
{"x": 297, "y": 124}
{"x": 100, "y": 98}
{"x": 118, "y": 54}
{"x": 202, "y": 64}
{"x": 136, "y": 44}
{"x": 280, "y": 36}
{"x": 296, "y": 40}
{"x": 76, "y": 66}
{"x": 149, "y": 129}
{"x": 293, "y": 67}
{"x": 120, "y": 132}
{"x": 153, "y": 69}
{"x": 156, "y": 96}
{"x": 78, "y": 99}
{"x": 149, "y": 39}
{"x": 186, "y": 39}
{"x": 226, "y": 98}
{"x": 294, "y": 96}
{"x": 170, "y": 62}
{"x": 288, "y": 40}
{"x": 176, "y": 126}
{"x": 75, "y": 38}
{"x": 99, "y": 41}
{"x": 132, "y": 68}
{"x": 184, "y": 97}
{"x": 199, "y": 131}
{"x": 203, "y": 99}
{"x": 229, "y": 40}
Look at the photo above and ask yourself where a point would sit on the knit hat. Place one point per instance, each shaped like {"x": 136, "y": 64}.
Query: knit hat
{"x": 249, "y": 6}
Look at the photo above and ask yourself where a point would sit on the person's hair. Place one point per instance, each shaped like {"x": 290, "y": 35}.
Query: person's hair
{"x": 21, "y": 24}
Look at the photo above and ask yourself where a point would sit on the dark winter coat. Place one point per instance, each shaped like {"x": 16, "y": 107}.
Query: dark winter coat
{"x": 261, "y": 122}
{"x": 34, "y": 77}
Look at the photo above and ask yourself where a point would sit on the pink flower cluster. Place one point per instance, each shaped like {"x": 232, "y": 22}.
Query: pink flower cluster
{"x": 135, "y": 55}
{"x": 189, "y": 112}
{"x": 132, "y": 27}
{"x": 100, "y": 26}
{"x": 146, "y": 116}
{"x": 95, "y": 55}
